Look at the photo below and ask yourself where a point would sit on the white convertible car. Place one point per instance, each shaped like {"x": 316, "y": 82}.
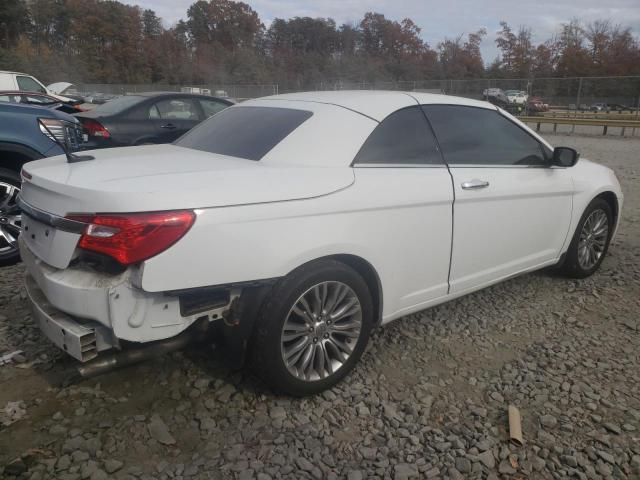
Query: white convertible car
{"x": 290, "y": 226}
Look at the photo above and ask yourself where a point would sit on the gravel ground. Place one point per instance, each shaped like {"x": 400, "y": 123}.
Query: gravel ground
{"x": 428, "y": 399}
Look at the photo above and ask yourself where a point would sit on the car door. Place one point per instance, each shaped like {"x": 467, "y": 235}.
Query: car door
{"x": 409, "y": 196}
{"x": 512, "y": 209}
{"x": 173, "y": 117}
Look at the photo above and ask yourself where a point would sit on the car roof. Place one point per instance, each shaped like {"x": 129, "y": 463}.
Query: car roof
{"x": 15, "y": 73}
{"x": 181, "y": 94}
{"x": 376, "y": 104}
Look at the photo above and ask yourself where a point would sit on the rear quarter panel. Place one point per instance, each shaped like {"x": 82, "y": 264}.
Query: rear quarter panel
{"x": 398, "y": 229}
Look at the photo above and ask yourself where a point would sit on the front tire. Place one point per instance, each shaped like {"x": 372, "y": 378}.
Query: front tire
{"x": 590, "y": 241}
{"x": 313, "y": 329}
{"x": 10, "y": 218}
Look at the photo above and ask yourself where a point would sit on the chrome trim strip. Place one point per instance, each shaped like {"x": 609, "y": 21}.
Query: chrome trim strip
{"x": 61, "y": 223}
{"x": 497, "y": 165}
{"x": 398, "y": 165}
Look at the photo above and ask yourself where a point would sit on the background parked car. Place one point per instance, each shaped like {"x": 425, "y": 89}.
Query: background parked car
{"x": 147, "y": 118}
{"x": 537, "y": 105}
{"x": 517, "y": 96}
{"x": 40, "y": 100}
{"x": 599, "y": 107}
{"x": 99, "y": 98}
{"x": 22, "y": 139}
{"x": 497, "y": 97}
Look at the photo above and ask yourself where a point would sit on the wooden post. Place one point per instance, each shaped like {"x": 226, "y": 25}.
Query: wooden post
{"x": 622, "y": 133}
{"x": 538, "y": 127}
{"x": 555, "y": 127}
{"x": 604, "y": 131}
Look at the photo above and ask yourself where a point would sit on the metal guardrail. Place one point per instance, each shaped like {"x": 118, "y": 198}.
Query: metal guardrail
{"x": 591, "y": 122}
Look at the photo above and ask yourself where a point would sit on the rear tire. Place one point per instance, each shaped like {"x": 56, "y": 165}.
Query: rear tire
{"x": 590, "y": 241}
{"x": 313, "y": 329}
{"x": 10, "y": 220}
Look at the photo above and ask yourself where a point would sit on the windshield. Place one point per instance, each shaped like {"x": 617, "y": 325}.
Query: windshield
{"x": 244, "y": 132}
{"x": 119, "y": 104}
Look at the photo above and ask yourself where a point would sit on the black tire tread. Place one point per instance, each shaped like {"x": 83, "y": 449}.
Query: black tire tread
{"x": 571, "y": 268}
{"x": 263, "y": 364}
{"x": 13, "y": 177}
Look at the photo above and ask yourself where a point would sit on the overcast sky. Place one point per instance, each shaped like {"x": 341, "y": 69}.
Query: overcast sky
{"x": 438, "y": 19}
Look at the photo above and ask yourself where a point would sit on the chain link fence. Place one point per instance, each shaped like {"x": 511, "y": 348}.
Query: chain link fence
{"x": 574, "y": 93}
{"x": 238, "y": 92}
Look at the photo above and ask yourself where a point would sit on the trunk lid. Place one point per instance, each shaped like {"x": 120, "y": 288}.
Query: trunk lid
{"x": 168, "y": 177}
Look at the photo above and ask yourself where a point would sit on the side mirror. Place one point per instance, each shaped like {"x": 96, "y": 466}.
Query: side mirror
{"x": 565, "y": 157}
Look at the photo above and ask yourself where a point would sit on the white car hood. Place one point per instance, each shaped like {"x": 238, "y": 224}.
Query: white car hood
{"x": 167, "y": 177}
{"x": 58, "y": 87}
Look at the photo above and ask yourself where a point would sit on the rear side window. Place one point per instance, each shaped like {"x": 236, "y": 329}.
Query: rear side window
{"x": 244, "y": 132}
{"x": 117, "y": 105}
{"x": 404, "y": 137}
{"x": 174, "y": 109}
{"x": 479, "y": 136}
{"x": 211, "y": 107}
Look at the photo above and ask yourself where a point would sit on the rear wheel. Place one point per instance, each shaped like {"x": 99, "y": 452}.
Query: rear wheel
{"x": 10, "y": 218}
{"x": 590, "y": 241}
{"x": 313, "y": 329}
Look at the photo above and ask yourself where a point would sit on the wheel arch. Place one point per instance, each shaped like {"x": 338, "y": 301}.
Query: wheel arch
{"x": 14, "y": 155}
{"x": 612, "y": 200}
{"x": 366, "y": 271}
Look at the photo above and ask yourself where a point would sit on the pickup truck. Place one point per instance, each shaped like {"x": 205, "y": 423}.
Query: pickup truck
{"x": 27, "y": 83}
{"x": 22, "y": 139}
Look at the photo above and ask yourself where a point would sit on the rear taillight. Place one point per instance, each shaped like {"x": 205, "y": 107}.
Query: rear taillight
{"x": 95, "y": 128}
{"x": 61, "y": 131}
{"x": 133, "y": 237}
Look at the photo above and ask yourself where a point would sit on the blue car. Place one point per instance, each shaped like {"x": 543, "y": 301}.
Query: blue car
{"x": 27, "y": 133}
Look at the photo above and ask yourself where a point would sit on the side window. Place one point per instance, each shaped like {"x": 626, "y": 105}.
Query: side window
{"x": 37, "y": 100}
{"x": 479, "y": 136}
{"x": 404, "y": 137}
{"x": 174, "y": 109}
{"x": 29, "y": 84}
{"x": 211, "y": 107}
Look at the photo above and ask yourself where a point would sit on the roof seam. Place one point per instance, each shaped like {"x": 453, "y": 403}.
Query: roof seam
{"x": 321, "y": 103}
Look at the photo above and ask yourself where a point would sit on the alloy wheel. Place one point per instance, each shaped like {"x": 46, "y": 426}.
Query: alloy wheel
{"x": 593, "y": 239}
{"x": 10, "y": 218}
{"x": 321, "y": 331}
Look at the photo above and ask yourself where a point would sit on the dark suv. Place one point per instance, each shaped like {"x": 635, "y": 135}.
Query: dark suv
{"x": 22, "y": 139}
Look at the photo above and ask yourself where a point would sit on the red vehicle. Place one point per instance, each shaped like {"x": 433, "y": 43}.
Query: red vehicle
{"x": 40, "y": 100}
{"x": 536, "y": 104}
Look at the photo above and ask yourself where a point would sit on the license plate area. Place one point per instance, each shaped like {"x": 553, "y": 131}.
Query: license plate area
{"x": 53, "y": 246}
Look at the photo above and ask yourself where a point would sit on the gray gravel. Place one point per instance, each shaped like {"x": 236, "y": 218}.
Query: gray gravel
{"x": 428, "y": 400}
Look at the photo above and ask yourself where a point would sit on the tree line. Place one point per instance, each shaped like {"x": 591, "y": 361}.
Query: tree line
{"x": 225, "y": 42}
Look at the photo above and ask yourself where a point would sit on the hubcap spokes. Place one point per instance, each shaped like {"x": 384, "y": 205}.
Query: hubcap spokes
{"x": 10, "y": 218}
{"x": 593, "y": 239}
{"x": 321, "y": 331}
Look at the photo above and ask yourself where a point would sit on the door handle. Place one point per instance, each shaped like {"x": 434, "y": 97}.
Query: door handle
{"x": 474, "y": 184}
{"x": 170, "y": 126}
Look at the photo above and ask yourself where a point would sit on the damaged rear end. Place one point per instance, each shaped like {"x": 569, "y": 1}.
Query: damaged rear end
{"x": 83, "y": 281}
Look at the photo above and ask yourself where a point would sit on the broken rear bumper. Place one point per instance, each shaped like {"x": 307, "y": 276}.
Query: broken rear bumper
{"x": 81, "y": 340}
{"x": 84, "y": 311}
